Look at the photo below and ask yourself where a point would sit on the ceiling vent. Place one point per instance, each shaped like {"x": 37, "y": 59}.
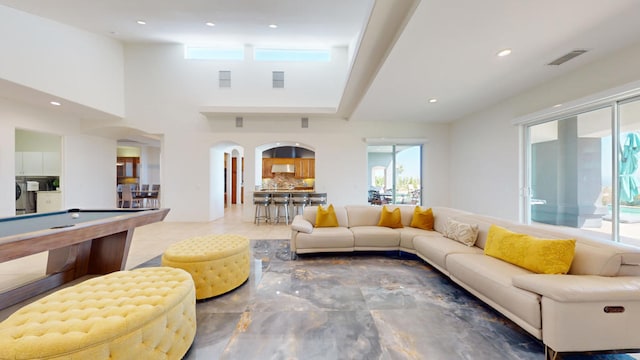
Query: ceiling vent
{"x": 566, "y": 57}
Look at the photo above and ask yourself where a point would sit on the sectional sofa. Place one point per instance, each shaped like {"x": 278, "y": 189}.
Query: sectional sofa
{"x": 595, "y": 306}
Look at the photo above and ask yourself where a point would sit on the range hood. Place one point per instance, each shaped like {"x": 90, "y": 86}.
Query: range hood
{"x": 283, "y": 168}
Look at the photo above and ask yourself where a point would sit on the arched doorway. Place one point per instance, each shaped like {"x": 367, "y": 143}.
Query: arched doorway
{"x": 285, "y": 164}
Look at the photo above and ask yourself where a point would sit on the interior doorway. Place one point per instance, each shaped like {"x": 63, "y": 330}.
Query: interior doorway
{"x": 233, "y": 176}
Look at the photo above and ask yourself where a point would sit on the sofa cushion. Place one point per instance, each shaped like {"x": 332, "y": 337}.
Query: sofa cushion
{"x": 325, "y": 238}
{"x": 407, "y": 235}
{"x": 493, "y": 279}
{"x": 587, "y": 288}
{"x": 462, "y": 232}
{"x": 442, "y": 214}
{"x": 373, "y": 237}
{"x": 434, "y": 248}
{"x": 363, "y": 215}
{"x": 326, "y": 217}
{"x": 391, "y": 218}
{"x": 543, "y": 256}
{"x": 422, "y": 219}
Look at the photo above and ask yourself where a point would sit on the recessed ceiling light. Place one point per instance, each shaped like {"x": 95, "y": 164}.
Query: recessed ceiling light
{"x": 433, "y": 100}
{"x": 273, "y": 26}
{"x": 210, "y": 24}
{"x": 141, "y": 22}
{"x": 55, "y": 103}
{"x": 557, "y": 105}
{"x": 504, "y": 52}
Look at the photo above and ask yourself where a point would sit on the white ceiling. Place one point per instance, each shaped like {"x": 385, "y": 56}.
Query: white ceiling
{"x": 446, "y": 51}
{"x": 302, "y": 23}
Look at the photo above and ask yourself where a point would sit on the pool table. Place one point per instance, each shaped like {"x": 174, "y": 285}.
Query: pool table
{"x": 79, "y": 242}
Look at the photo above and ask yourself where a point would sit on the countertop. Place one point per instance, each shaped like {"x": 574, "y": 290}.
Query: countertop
{"x": 293, "y": 191}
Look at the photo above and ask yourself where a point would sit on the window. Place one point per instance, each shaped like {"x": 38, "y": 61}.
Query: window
{"x": 571, "y": 169}
{"x": 583, "y": 169}
{"x": 224, "y": 79}
{"x": 395, "y": 174}
{"x": 209, "y": 53}
{"x": 278, "y": 79}
{"x": 292, "y": 55}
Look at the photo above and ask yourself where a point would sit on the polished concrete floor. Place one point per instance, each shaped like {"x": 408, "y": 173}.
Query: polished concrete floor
{"x": 343, "y": 306}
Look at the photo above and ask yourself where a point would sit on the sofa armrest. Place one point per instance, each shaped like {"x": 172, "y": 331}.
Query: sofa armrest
{"x": 580, "y": 288}
{"x": 300, "y": 224}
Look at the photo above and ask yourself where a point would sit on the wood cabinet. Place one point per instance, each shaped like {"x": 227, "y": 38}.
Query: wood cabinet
{"x": 305, "y": 168}
{"x": 127, "y": 167}
{"x": 266, "y": 168}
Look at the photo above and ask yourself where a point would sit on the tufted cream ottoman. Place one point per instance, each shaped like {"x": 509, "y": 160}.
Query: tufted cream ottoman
{"x": 147, "y": 313}
{"x": 217, "y": 263}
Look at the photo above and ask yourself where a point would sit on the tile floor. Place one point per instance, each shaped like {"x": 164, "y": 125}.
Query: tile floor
{"x": 347, "y": 306}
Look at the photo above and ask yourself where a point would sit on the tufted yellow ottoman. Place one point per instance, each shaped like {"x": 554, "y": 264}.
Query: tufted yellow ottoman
{"x": 217, "y": 263}
{"x": 147, "y": 313}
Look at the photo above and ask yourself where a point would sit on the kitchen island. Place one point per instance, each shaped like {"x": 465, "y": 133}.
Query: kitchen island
{"x": 291, "y": 201}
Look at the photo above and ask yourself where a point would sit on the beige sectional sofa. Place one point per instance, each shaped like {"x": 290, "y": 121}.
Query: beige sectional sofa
{"x": 595, "y": 306}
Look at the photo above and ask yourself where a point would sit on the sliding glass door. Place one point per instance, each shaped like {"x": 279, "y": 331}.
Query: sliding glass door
{"x": 571, "y": 170}
{"x": 583, "y": 171}
{"x": 628, "y": 218}
{"x": 395, "y": 174}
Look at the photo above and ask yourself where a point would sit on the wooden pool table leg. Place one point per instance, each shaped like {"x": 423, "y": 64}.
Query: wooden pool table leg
{"x": 110, "y": 253}
{"x": 97, "y": 257}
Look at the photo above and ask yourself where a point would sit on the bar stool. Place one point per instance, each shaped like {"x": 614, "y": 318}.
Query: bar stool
{"x": 299, "y": 201}
{"x": 262, "y": 202}
{"x": 316, "y": 199}
{"x": 281, "y": 201}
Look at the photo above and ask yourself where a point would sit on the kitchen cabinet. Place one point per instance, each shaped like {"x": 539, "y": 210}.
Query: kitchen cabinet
{"x": 266, "y": 168}
{"x": 127, "y": 167}
{"x": 37, "y": 163}
{"x": 305, "y": 168}
{"x": 19, "y": 164}
{"x": 267, "y": 163}
{"x": 51, "y": 163}
{"x": 48, "y": 201}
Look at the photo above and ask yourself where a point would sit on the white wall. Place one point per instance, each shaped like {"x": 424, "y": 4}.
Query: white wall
{"x": 216, "y": 185}
{"x": 89, "y": 172}
{"x": 37, "y": 141}
{"x": 57, "y": 59}
{"x": 150, "y": 165}
{"x": 165, "y": 91}
{"x": 485, "y": 171}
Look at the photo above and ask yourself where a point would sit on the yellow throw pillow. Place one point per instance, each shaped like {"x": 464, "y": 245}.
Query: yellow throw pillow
{"x": 422, "y": 219}
{"x": 326, "y": 217}
{"x": 542, "y": 256}
{"x": 391, "y": 219}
